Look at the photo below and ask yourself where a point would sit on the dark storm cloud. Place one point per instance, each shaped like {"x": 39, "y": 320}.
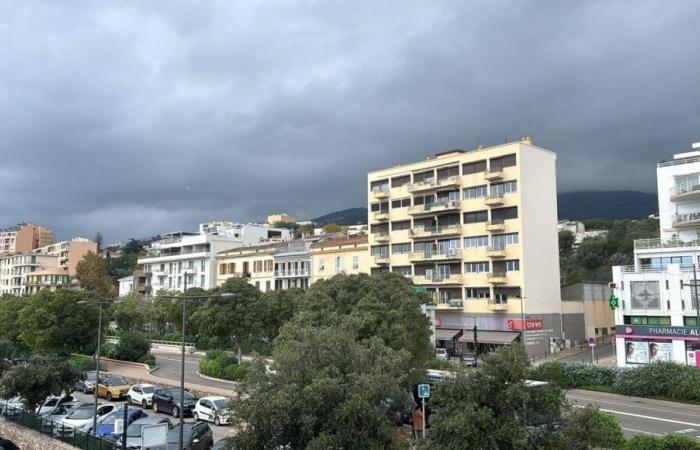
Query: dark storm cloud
{"x": 107, "y": 111}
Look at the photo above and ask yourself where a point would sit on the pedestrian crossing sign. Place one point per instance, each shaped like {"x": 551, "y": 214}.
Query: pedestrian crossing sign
{"x": 423, "y": 391}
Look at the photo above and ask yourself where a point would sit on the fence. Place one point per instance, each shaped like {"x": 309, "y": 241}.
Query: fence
{"x": 58, "y": 430}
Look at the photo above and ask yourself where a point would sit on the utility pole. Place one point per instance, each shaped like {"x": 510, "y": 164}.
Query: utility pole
{"x": 476, "y": 346}
{"x": 181, "y": 437}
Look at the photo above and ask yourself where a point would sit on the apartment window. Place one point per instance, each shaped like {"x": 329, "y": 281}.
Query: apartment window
{"x": 321, "y": 264}
{"x": 423, "y": 199}
{"x": 222, "y": 269}
{"x": 445, "y": 245}
{"x": 257, "y": 285}
{"x": 400, "y": 181}
{"x": 401, "y": 225}
{"x": 448, "y": 196}
{"x": 475, "y": 192}
{"x": 447, "y": 172}
{"x": 474, "y": 167}
{"x": 380, "y": 207}
{"x": 401, "y": 203}
{"x": 503, "y": 161}
{"x": 380, "y": 186}
{"x": 513, "y": 265}
{"x": 500, "y": 241}
{"x": 690, "y": 321}
{"x": 339, "y": 264}
{"x": 424, "y": 177}
{"x": 401, "y": 248}
{"x": 355, "y": 262}
{"x": 476, "y": 293}
{"x": 476, "y": 241}
{"x": 500, "y": 189}
{"x": 267, "y": 285}
{"x": 503, "y": 294}
{"x": 202, "y": 265}
{"x": 231, "y": 268}
{"x": 501, "y": 214}
{"x": 476, "y": 267}
{"x": 403, "y": 270}
{"x": 201, "y": 281}
{"x": 476, "y": 216}
{"x": 380, "y": 250}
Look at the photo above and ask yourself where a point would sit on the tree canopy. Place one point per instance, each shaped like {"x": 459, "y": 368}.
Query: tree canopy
{"x": 91, "y": 271}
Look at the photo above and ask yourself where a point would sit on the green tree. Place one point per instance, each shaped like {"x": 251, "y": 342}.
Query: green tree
{"x": 132, "y": 347}
{"x": 91, "y": 271}
{"x": 591, "y": 253}
{"x": 56, "y": 322}
{"x": 10, "y": 308}
{"x": 329, "y": 391}
{"x": 131, "y": 314}
{"x": 566, "y": 242}
{"x": 275, "y": 309}
{"x": 234, "y": 318}
{"x": 588, "y": 427}
{"x": 38, "y": 378}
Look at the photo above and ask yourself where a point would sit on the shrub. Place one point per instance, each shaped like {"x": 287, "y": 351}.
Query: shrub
{"x": 132, "y": 347}
{"x": 108, "y": 350}
{"x": 214, "y": 363}
{"x": 440, "y": 364}
{"x": 235, "y": 372}
{"x": 148, "y": 359}
{"x": 668, "y": 442}
{"x": 664, "y": 379}
{"x": 83, "y": 362}
{"x": 570, "y": 375}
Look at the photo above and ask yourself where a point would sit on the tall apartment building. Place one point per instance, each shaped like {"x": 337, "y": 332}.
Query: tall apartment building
{"x": 24, "y": 237}
{"x": 16, "y": 269}
{"x": 678, "y": 184}
{"x": 348, "y": 255}
{"x": 478, "y": 230}
{"x": 69, "y": 253}
{"x": 658, "y": 316}
{"x": 193, "y": 255}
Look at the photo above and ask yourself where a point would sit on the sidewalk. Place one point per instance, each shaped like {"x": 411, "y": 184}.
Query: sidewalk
{"x": 609, "y": 360}
{"x": 137, "y": 371}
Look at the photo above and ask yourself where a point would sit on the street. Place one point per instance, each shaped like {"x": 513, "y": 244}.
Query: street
{"x": 601, "y": 352}
{"x": 643, "y": 416}
{"x": 169, "y": 368}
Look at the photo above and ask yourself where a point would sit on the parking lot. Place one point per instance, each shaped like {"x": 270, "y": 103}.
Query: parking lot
{"x": 220, "y": 432}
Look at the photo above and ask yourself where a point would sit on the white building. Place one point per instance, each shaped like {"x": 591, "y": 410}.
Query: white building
{"x": 14, "y": 270}
{"x": 579, "y": 230}
{"x": 126, "y": 285}
{"x": 678, "y": 183}
{"x": 658, "y": 315}
{"x": 193, "y": 255}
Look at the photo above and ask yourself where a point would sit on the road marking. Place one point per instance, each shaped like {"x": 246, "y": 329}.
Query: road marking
{"x": 687, "y": 430}
{"x": 633, "y": 406}
{"x": 640, "y": 416}
{"x": 641, "y": 431}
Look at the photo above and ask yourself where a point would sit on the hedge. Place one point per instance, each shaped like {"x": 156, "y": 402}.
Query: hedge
{"x": 666, "y": 379}
{"x": 667, "y": 442}
{"x": 219, "y": 364}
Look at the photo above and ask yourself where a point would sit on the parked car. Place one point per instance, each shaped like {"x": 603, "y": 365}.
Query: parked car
{"x": 112, "y": 388}
{"x": 12, "y": 406}
{"x": 168, "y": 400}
{"x": 141, "y": 394}
{"x": 88, "y": 384}
{"x": 441, "y": 353}
{"x": 133, "y": 432}
{"x": 6, "y": 444}
{"x": 223, "y": 444}
{"x": 58, "y": 413}
{"x": 196, "y": 436}
{"x": 51, "y": 402}
{"x": 213, "y": 409}
{"x": 81, "y": 418}
{"x": 469, "y": 359}
{"x": 105, "y": 427}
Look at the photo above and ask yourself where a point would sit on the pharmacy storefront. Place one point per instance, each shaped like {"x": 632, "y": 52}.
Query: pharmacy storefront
{"x": 645, "y": 344}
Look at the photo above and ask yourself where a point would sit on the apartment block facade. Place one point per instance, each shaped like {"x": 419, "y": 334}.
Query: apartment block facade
{"x": 346, "y": 254}
{"x": 478, "y": 230}
{"x": 678, "y": 187}
{"x": 16, "y": 270}
{"x": 24, "y": 237}
{"x": 68, "y": 253}
{"x": 256, "y": 264}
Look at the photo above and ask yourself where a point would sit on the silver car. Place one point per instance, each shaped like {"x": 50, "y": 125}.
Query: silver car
{"x": 81, "y": 418}
{"x": 133, "y": 432}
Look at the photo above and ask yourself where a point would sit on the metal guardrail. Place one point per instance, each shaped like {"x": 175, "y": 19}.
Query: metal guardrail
{"x": 57, "y": 430}
{"x": 155, "y": 341}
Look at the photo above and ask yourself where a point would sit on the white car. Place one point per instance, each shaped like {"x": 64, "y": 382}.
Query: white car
{"x": 81, "y": 418}
{"x": 441, "y": 353}
{"x": 141, "y": 394}
{"x": 213, "y": 409}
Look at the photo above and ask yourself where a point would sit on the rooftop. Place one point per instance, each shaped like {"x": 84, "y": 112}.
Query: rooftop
{"x": 351, "y": 240}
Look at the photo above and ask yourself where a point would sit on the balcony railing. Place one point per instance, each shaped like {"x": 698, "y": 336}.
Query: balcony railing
{"x": 381, "y": 215}
{"x": 422, "y": 185}
{"x": 646, "y": 268}
{"x": 494, "y": 200}
{"x": 381, "y": 259}
{"x": 685, "y": 192}
{"x": 439, "y": 206}
{"x": 495, "y": 226}
{"x": 435, "y": 231}
{"x": 438, "y": 279}
{"x": 292, "y": 273}
{"x": 644, "y": 244}
{"x": 496, "y": 252}
{"x": 498, "y": 305}
{"x": 449, "y": 181}
{"x": 496, "y": 277}
{"x": 492, "y": 175}
{"x": 380, "y": 193}
{"x": 380, "y": 237}
{"x": 690, "y": 219}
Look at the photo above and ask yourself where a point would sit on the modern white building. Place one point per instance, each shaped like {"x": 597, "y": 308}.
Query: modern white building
{"x": 678, "y": 183}
{"x": 658, "y": 315}
{"x": 193, "y": 255}
{"x": 126, "y": 285}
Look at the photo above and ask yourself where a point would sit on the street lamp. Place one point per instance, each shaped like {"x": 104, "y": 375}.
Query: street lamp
{"x": 99, "y": 304}
{"x": 184, "y": 300}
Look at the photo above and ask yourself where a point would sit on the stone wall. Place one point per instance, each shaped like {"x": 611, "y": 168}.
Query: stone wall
{"x": 27, "y": 439}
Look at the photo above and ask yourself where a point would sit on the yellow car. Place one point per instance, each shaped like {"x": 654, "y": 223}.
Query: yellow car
{"x": 112, "y": 388}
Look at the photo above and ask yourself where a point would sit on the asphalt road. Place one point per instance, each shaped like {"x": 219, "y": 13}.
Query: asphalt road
{"x": 169, "y": 368}
{"x": 601, "y": 351}
{"x": 219, "y": 432}
{"x": 643, "y": 416}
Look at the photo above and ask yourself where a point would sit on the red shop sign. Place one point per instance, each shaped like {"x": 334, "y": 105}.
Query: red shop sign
{"x": 530, "y": 324}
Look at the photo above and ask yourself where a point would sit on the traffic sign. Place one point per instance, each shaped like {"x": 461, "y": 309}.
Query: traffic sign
{"x": 423, "y": 391}
{"x": 613, "y": 302}
{"x": 591, "y": 341}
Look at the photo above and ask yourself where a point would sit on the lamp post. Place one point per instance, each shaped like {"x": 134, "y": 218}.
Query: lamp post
{"x": 184, "y": 300}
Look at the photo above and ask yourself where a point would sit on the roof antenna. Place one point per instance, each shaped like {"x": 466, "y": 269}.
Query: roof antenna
{"x": 505, "y": 138}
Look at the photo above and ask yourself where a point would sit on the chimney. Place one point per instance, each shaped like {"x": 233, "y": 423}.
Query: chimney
{"x": 526, "y": 139}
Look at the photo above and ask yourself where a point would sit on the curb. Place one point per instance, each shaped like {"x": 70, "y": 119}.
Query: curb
{"x": 206, "y": 377}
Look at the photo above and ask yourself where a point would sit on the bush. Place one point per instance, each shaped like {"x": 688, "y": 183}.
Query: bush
{"x": 132, "y": 347}
{"x": 148, "y": 359}
{"x": 573, "y": 375}
{"x": 668, "y": 442}
{"x": 669, "y": 380}
{"x": 83, "y": 362}
{"x": 219, "y": 364}
{"x": 441, "y": 364}
{"x": 235, "y": 372}
{"x": 108, "y": 350}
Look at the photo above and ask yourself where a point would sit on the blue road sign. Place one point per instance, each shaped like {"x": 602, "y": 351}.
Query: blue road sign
{"x": 423, "y": 391}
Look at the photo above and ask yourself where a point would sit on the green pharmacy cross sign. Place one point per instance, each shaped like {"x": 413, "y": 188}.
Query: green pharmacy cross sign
{"x": 613, "y": 302}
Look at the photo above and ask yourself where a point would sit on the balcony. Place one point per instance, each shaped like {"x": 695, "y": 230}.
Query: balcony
{"x": 686, "y": 220}
{"x": 439, "y": 279}
{"x": 496, "y": 277}
{"x": 457, "y": 303}
{"x": 380, "y": 237}
{"x": 381, "y": 259}
{"x": 453, "y": 181}
{"x": 432, "y": 208}
{"x": 495, "y": 227}
{"x": 685, "y": 193}
{"x": 494, "y": 200}
{"x": 493, "y": 175}
{"x": 381, "y": 215}
{"x": 452, "y": 253}
{"x": 291, "y": 273}
{"x": 241, "y": 274}
{"x": 498, "y": 305}
{"x": 496, "y": 253}
{"x": 380, "y": 194}
{"x": 445, "y": 230}
{"x": 422, "y": 186}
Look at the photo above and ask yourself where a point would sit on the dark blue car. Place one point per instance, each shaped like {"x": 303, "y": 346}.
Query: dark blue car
{"x": 106, "y": 426}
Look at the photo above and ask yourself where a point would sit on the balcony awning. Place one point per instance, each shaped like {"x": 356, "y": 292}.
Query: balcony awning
{"x": 446, "y": 335}
{"x": 490, "y": 337}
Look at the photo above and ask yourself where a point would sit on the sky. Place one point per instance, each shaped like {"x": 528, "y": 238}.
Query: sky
{"x": 132, "y": 118}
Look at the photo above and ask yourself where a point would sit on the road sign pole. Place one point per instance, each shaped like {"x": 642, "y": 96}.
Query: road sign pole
{"x": 592, "y": 354}
{"x": 424, "y": 418}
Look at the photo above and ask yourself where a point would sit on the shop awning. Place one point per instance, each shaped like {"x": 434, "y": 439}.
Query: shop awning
{"x": 490, "y": 337}
{"x": 446, "y": 335}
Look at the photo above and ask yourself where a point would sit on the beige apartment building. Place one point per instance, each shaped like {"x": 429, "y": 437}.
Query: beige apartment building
{"x": 478, "y": 230}
{"x": 349, "y": 255}
{"x": 274, "y": 219}
{"x": 16, "y": 269}
{"x": 69, "y": 253}
{"x": 47, "y": 279}
{"x": 256, "y": 264}
{"x": 24, "y": 237}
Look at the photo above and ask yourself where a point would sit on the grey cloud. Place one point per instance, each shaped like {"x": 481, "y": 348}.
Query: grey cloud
{"x": 108, "y": 110}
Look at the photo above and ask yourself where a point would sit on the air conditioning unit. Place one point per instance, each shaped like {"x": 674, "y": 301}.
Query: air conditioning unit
{"x": 452, "y": 252}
